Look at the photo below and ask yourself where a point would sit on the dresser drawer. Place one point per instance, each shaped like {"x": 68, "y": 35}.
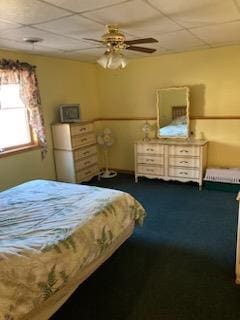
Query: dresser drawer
{"x": 84, "y": 152}
{"x": 144, "y": 169}
{"x": 82, "y": 140}
{"x": 184, "y": 162}
{"x": 80, "y": 128}
{"x": 183, "y": 173}
{"x": 87, "y": 173}
{"x": 150, "y": 148}
{"x": 150, "y": 160}
{"x": 184, "y": 151}
{"x": 83, "y": 163}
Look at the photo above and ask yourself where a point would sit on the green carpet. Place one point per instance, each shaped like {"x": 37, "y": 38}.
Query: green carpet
{"x": 178, "y": 266}
{"x": 220, "y": 186}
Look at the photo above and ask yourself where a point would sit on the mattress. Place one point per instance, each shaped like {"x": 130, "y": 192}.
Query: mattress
{"x": 52, "y": 236}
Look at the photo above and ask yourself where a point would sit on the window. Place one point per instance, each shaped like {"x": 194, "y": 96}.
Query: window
{"x": 15, "y": 131}
{"x": 21, "y": 114}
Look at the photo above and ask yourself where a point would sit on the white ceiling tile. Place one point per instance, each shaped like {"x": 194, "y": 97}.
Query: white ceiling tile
{"x": 90, "y": 55}
{"x": 49, "y": 39}
{"x": 74, "y": 26}
{"x": 193, "y": 13}
{"x": 63, "y": 33}
{"x": 179, "y": 40}
{"x": 222, "y": 33}
{"x": 26, "y": 47}
{"x": 22, "y": 46}
{"x": 5, "y": 25}
{"x": 83, "y": 5}
{"x": 135, "y": 17}
{"x": 29, "y": 11}
{"x": 93, "y": 52}
{"x": 10, "y": 44}
{"x": 91, "y": 35}
{"x": 41, "y": 49}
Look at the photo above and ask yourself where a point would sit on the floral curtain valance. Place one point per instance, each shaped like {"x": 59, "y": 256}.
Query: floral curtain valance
{"x": 25, "y": 75}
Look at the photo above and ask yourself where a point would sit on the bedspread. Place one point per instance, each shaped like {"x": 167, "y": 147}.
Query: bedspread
{"x": 49, "y": 231}
{"x": 174, "y": 130}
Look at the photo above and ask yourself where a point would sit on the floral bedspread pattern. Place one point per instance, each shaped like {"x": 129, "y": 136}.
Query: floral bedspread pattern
{"x": 48, "y": 232}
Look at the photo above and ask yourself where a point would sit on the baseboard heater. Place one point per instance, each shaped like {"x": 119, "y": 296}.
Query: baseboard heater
{"x": 226, "y": 175}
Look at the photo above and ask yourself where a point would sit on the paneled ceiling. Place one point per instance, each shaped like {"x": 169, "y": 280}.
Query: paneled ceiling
{"x": 178, "y": 25}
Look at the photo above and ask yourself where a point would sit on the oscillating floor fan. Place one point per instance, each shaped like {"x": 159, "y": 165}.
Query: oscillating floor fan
{"x": 106, "y": 140}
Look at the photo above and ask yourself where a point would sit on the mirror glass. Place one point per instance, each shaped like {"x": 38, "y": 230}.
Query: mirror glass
{"x": 173, "y": 112}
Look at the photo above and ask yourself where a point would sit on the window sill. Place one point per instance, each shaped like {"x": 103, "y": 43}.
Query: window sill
{"x": 21, "y": 149}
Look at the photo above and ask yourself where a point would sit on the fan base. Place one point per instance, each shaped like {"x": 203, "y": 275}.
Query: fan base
{"x": 108, "y": 174}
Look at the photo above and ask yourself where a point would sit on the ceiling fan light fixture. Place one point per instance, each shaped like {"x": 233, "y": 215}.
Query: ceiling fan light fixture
{"x": 113, "y": 35}
{"x": 112, "y": 60}
{"x": 116, "y": 61}
{"x": 103, "y": 60}
{"x": 124, "y": 62}
{"x": 116, "y": 43}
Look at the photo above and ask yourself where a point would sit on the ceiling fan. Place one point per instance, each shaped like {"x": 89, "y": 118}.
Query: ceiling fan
{"x": 115, "y": 42}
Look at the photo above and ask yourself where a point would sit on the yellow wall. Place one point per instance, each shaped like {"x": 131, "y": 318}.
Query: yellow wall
{"x": 212, "y": 75}
{"x": 214, "y": 80}
{"x": 60, "y": 81}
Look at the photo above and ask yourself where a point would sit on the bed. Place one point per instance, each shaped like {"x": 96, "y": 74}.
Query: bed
{"x": 178, "y": 125}
{"x": 53, "y": 235}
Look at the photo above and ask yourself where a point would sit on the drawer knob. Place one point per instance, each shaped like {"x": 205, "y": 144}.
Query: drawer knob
{"x": 82, "y": 129}
{"x": 84, "y": 139}
{"x": 86, "y": 162}
{"x": 150, "y": 160}
{"x": 183, "y": 173}
{"x": 150, "y": 149}
{"x": 150, "y": 170}
{"x": 183, "y": 161}
{"x": 87, "y": 172}
{"x": 186, "y": 151}
{"x": 86, "y": 152}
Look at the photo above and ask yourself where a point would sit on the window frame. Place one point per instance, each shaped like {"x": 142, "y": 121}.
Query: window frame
{"x": 33, "y": 144}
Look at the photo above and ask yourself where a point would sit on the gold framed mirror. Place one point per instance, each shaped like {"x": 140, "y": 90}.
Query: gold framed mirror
{"x": 173, "y": 112}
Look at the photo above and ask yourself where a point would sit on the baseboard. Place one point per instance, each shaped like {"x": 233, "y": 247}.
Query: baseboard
{"x": 124, "y": 171}
{"x": 121, "y": 171}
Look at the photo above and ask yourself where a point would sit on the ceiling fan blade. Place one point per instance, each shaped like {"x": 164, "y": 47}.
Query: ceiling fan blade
{"x": 141, "y": 49}
{"x": 92, "y": 40}
{"x": 144, "y": 40}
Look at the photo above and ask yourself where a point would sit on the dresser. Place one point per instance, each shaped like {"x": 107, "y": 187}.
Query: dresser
{"x": 180, "y": 160}
{"x": 75, "y": 151}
